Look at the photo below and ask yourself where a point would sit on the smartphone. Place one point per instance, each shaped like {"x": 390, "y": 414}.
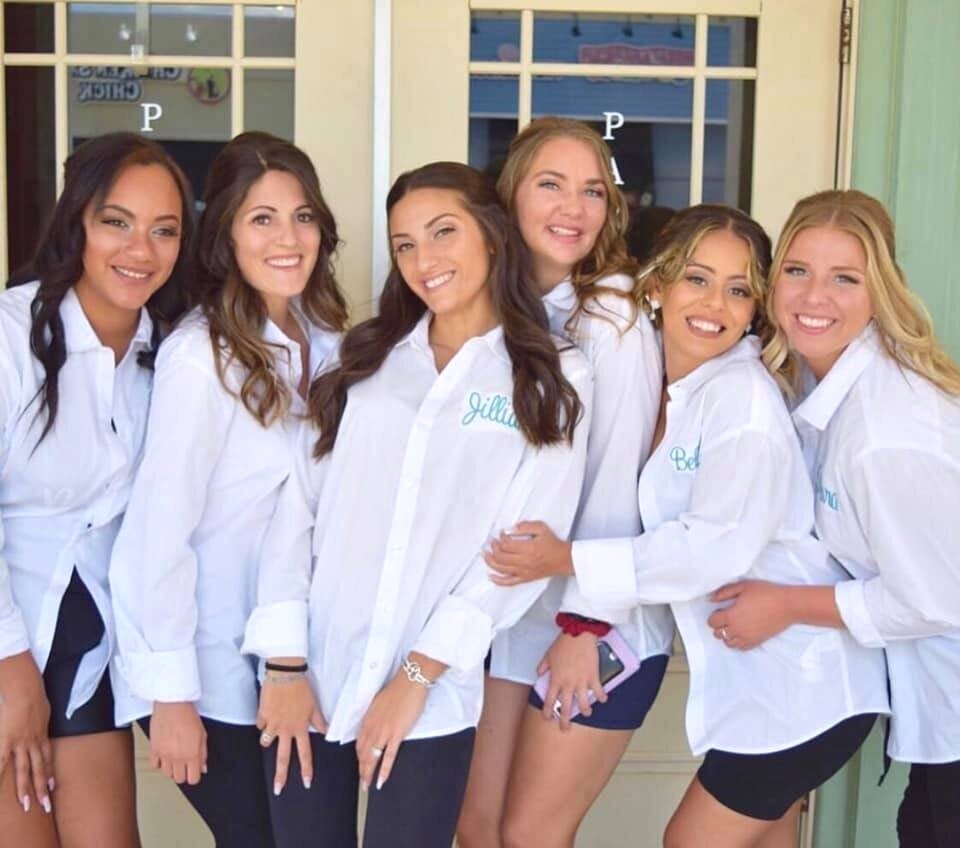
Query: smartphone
{"x": 610, "y": 664}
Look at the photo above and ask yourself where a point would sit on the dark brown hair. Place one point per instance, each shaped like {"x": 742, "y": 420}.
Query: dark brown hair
{"x": 89, "y": 175}
{"x": 546, "y": 405}
{"x": 234, "y": 309}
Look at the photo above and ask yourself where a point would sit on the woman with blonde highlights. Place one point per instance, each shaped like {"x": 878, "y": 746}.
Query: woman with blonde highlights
{"x": 879, "y": 412}
{"x": 230, "y": 380}
{"x": 559, "y": 189}
{"x": 724, "y": 493}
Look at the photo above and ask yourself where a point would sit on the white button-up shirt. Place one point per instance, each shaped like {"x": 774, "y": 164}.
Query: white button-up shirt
{"x": 884, "y": 450}
{"x": 61, "y": 501}
{"x": 725, "y": 496}
{"x": 624, "y": 353}
{"x": 426, "y": 468}
{"x": 184, "y": 566}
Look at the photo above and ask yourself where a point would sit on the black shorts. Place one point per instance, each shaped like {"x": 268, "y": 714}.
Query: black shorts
{"x": 79, "y": 629}
{"x": 627, "y": 705}
{"x": 765, "y": 786}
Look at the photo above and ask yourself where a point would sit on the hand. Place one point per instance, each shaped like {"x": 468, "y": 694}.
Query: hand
{"x": 24, "y": 718}
{"x": 759, "y": 611}
{"x": 574, "y": 667}
{"x": 178, "y": 741}
{"x": 389, "y": 719}
{"x": 520, "y": 560}
{"x": 287, "y": 709}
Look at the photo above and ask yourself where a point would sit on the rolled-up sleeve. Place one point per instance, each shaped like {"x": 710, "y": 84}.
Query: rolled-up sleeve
{"x": 547, "y": 487}
{"x": 906, "y": 503}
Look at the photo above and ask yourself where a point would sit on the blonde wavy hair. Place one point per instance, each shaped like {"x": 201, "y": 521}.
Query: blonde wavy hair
{"x": 609, "y": 254}
{"x": 234, "y": 308}
{"x": 678, "y": 240}
{"x": 904, "y": 324}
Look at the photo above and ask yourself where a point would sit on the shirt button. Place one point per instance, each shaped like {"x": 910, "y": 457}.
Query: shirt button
{"x": 373, "y": 665}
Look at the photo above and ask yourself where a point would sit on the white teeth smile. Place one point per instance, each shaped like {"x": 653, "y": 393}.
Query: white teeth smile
{"x": 284, "y": 262}
{"x": 814, "y": 323}
{"x": 128, "y": 272}
{"x": 563, "y": 231}
{"x": 705, "y": 326}
{"x": 434, "y": 282}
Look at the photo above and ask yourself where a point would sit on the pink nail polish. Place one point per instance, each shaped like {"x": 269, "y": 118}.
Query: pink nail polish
{"x": 51, "y": 784}
{"x": 364, "y": 786}
{"x": 45, "y": 803}
{"x": 380, "y": 783}
{"x": 25, "y": 803}
{"x": 276, "y": 788}
{"x": 307, "y": 782}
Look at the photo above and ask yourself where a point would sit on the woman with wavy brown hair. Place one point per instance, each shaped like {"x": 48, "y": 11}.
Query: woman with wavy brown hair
{"x": 230, "y": 380}
{"x": 76, "y": 358}
{"x": 558, "y": 186}
{"x": 452, "y": 414}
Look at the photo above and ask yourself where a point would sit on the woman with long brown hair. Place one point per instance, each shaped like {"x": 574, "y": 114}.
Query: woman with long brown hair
{"x": 76, "y": 365}
{"x": 558, "y": 186}
{"x": 452, "y": 413}
{"x": 878, "y": 409}
{"x": 231, "y": 378}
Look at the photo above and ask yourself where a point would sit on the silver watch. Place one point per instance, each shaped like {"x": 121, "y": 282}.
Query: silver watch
{"x": 415, "y": 673}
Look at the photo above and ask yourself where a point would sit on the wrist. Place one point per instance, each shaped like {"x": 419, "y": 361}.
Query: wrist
{"x": 415, "y": 673}
{"x": 568, "y": 559}
{"x": 574, "y": 625}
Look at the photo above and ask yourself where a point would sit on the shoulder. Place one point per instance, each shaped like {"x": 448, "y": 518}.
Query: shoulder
{"x": 612, "y": 310}
{"x": 574, "y": 363}
{"x": 188, "y": 343}
{"x": 15, "y": 320}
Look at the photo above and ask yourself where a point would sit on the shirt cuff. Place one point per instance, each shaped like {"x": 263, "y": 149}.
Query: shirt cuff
{"x": 850, "y": 597}
{"x": 13, "y": 635}
{"x": 576, "y": 602}
{"x": 458, "y": 634}
{"x": 605, "y": 570}
{"x": 277, "y": 630}
{"x": 166, "y": 676}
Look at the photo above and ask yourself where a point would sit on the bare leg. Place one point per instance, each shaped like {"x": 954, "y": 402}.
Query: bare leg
{"x": 701, "y": 814}
{"x": 784, "y": 833}
{"x": 504, "y": 703}
{"x": 94, "y": 803}
{"x": 557, "y": 775}
{"x": 35, "y": 828}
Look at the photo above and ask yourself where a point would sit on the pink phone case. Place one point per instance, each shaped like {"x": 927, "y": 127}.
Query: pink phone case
{"x": 624, "y": 653}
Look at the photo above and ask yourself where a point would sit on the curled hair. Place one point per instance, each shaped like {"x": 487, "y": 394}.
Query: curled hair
{"x": 609, "y": 254}
{"x": 905, "y": 327}
{"x": 678, "y": 240}
{"x": 234, "y": 309}
{"x": 88, "y": 176}
{"x": 545, "y": 403}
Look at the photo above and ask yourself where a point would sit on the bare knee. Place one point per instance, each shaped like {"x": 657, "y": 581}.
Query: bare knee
{"x": 477, "y": 829}
{"x": 524, "y": 831}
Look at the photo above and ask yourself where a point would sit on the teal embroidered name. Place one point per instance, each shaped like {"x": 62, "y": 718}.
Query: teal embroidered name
{"x": 495, "y": 408}
{"x": 684, "y": 462}
{"x": 827, "y": 497}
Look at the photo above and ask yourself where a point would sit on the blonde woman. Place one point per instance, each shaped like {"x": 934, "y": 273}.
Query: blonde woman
{"x": 879, "y": 415}
{"x": 559, "y": 190}
{"x": 230, "y": 379}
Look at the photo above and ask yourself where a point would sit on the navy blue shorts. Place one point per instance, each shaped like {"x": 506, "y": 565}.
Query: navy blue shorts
{"x": 79, "y": 629}
{"x": 627, "y": 705}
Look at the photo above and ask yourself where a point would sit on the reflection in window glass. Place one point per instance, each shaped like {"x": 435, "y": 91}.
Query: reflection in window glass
{"x": 728, "y": 143}
{"x": 27, "y": 28}
{"x": 614, "y": 39}
{"x": 732, "y": 42}
{"x": 494, "y": 103}
{"x": 190, "y": 29}
{"x": 269, "y": 31}
{"x": 31, "y": 160}
{"x": 268, "y": 102}
{"x": 101, "y": 28}
{"x": 495, "y": 37}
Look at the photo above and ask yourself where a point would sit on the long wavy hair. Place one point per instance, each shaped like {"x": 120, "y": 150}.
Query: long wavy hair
{"x": 678, "y": 240}
{"x": 545, "y": 403}
{"x": 233, "y": 308}
{"x": 904, "y": 324}
{"x": 88, "y": 176}
{"x": 609, "y": 254}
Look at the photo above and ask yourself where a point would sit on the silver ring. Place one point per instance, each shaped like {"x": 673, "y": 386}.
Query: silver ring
{"x": 377, "y": 752}
{"x": 557, "y": 708}
{"x": 723, "y": 633}
{"x": 266, "y": 738}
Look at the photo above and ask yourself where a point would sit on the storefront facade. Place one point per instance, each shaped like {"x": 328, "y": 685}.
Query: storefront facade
{"x": 749, "y": 102}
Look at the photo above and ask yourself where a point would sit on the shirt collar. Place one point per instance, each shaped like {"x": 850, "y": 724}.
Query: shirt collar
{"x": 747, "y": 349}
{"x": 825, "y": 398}
{"x": 79, "y": 335}
{"x": 562, "y": 297}
{"x": 419, "y": 337}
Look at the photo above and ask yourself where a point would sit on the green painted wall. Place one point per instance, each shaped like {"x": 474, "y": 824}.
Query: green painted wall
{"x": 907, "y": 153}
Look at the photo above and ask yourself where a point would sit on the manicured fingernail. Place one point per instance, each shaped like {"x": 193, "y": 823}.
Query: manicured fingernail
{"x": 276, "y": 788}
{"x": 45, "y": 803}
{"x": 51, "y": 784}
{"x": 380, "y": 782}
{"x": 203, "y": 768}
{"x": 364, "y": 786}
{"x": 306, "y": 782}
{"x": 25, "y": 803}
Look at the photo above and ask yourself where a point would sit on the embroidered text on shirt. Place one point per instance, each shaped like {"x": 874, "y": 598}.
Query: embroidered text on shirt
{"x": 826, "y": 496}
{"x": 682, "y": 462}
{"x": 496, "y": 408}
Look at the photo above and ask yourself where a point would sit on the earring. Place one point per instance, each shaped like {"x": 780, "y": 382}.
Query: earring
{"x": 653, "y": 303}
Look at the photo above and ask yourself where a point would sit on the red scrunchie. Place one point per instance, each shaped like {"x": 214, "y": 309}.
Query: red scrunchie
{"x": 573, "y": 625}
